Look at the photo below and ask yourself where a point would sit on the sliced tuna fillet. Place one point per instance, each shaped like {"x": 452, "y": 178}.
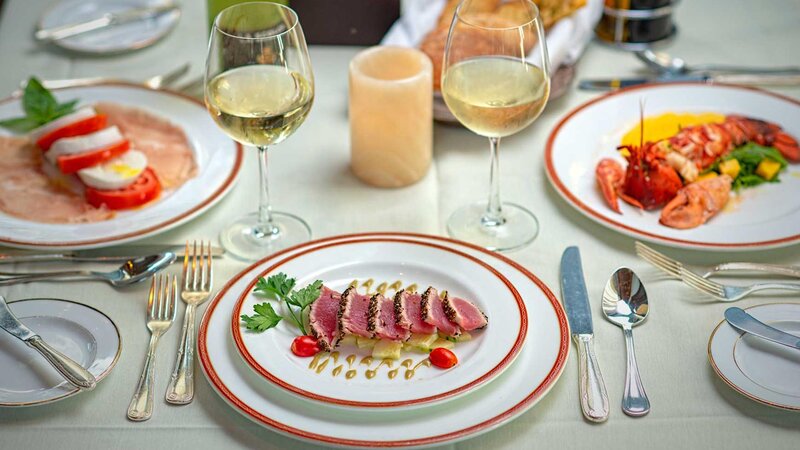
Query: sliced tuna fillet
{"x": 464, "y": 313}
{"x": 354, "y": 313}
{"x": 323, "y": 318}
{"x": 433, "y": 313}
{"x": 382, "y": 320}
{"x": 408, "y": 310}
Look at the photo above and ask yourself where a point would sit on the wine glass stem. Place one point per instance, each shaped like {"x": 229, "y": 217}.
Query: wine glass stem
{"x": 493, "y": 216}
{"x": 265, "y": 227}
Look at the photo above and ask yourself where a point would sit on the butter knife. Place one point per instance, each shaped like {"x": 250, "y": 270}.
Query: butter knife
{"x": 112, "y": 254}
{"x": 593, "y": 395}
{"x": 744, "y": 79}
{"x": 69, "y": 369}
{"x": 741, "y": 320}
{"x": 106, "y": 20}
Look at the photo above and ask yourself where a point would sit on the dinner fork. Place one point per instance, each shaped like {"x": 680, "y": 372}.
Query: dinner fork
{"x": 195, "y": 289}
{"x": 719, "y": 291}
{"x": 160, "y": 315}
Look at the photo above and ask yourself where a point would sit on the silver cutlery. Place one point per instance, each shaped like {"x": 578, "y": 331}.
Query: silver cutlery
{"x": 196, "y": 286}
{"x": 161, "y": 309}
{"x": 69, "y": 369}
{"x": 104, "y": 21}
{"x": 593, "y": 395}
{"x": 131, "y": 271}
{"x": 113, "y": 254}
{"x": 664, "y": 63}
{"x": 609, "y": 84}
{"x": 722, "y": 292}
{"x": 625, "y": 304}
{"x": 742, "y": 321}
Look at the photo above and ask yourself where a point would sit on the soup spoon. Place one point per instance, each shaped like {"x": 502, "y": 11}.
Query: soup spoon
{"x": 131, "y": 271}
{"x": 625, "y": 304}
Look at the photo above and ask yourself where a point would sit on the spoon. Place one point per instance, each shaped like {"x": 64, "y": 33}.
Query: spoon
{"x": 668, "y": 65}
{"x": 625, "y": 304}
{"x": 131, "y": 271}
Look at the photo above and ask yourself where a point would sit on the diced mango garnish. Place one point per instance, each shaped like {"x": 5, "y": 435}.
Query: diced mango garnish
{"x": 422, "y": 341}
{"x": 363, "y": 342}
{"x": 387, "y": 349}
{"x": 706, "y": 176}
{"x": 768, "y": 168}
{"x": 349, "y": 340}
{"x": 730, "y": 167}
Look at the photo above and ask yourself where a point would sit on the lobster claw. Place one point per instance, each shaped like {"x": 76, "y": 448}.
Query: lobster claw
{"x": 610, "y": 175}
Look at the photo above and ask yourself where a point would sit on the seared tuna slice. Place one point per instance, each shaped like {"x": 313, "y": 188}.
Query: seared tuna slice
{"x": 464, "y": 313}
{"x": 382, "y": 320}
{"x": 433, "y": 313}
{"x": 323, "y": 318}
{"x": 353, "y": 313}
{"x": 408, "y": 310}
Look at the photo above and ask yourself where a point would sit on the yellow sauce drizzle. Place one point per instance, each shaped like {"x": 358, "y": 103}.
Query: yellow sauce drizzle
{"x": 396, "y": 285}
{"x": 353, "y": 283}
{"x": 370, "y": 373}
{"x": 411, "y": 372}
{"x": 368, "y": 285}
{"x": 337, "y": 370}
{"x": 381, "y": 289}
{"x": 316, "y": 359}
{"x": 350, "y": 360}
{"x": 350, "y": 374}
{"x": 412, "y": 287}
{"x": 367, "y": 360}
{"x": 322, "y": 366}
{"x": 393, "y": 373}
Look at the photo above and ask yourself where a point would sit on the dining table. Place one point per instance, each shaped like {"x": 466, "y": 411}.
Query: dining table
{"x": 310, "y": 177}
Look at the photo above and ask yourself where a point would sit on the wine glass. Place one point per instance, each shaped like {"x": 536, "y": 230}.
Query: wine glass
{"x": 496, "y": 81}
{"x": 259, "y": 89}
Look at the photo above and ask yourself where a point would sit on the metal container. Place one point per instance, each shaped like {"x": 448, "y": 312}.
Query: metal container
{"x": 636, "y": 24}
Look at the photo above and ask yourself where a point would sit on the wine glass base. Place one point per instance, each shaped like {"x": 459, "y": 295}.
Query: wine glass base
{"x": 242, "y": 240}
{"x": 518, "y": 228}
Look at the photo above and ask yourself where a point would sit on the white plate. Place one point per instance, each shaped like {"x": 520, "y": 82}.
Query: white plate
{"x": 537, "y": 368}
{"x": 218, "y": 159}
{"x": 760, "y": 370}
{"x": 81, "y": 332}
{"x": 484, "y": 357}
{"x": 763, "y": 217}
{"x": 114, "y": 39}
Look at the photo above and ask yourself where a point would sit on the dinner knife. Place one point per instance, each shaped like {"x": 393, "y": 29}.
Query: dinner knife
{"x": 71, "y": 370}
{"x": 593, "y": 395}
{"x": 120, "y": 253}
{"x": 743, "y": 321}
{"x": 106, "y": 20}
{"x": 745, "y": 79}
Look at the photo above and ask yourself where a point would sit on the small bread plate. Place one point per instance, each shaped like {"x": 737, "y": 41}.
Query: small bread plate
{"x": 760, "y": 370}
{"x": 217, "y": 159}
{"x": 81, "y": 332}
{"x": 354, "y": 376}
{"x": 761, "y": 217}
{"x": 112, "y": 39}
{"x": 535, "y": 370}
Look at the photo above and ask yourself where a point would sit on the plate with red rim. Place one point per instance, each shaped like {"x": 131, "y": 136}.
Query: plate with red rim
{"x": 762, "y": 217}
{"x": 218, "y": 158}
{"x": 345, "y": 378}
{"x": 537, "y": 368}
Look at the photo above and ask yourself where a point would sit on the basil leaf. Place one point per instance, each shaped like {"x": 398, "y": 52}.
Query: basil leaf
{"x": 19, "y": 124}
{"x": 38, "y": 103}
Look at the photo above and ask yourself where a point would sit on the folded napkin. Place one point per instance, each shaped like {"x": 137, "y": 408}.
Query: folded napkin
{"x": 566, "y": 40}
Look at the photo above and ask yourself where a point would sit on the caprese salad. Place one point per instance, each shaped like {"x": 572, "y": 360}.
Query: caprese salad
{"x": 82, "y": 153}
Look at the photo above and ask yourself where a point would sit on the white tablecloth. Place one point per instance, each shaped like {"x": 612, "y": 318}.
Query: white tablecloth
{"x": 691, "y": 407}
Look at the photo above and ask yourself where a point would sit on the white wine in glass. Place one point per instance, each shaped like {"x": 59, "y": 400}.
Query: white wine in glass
{"x": 259, "y": 89}
{"x": 496, "y": 82}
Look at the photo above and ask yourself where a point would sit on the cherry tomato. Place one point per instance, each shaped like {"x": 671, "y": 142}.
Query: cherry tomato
{"x": 305, "y": 346}
{"x": 443, "y": 358}
{"x": 75, "y": 162}
{"x": 79, "y": 128}
{"x": 145, "y": 189}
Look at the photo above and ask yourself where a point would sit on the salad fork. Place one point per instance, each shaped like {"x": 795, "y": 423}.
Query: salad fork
{"x": 160, "y": 315}
{"x": 196, "y": 288}
{"x": 722, "y": 292}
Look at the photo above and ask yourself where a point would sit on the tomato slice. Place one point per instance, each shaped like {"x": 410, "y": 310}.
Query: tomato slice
{"x": 78, "y": 161}
{"x": 146, "y": 188}
{"x": 79, "y": 128}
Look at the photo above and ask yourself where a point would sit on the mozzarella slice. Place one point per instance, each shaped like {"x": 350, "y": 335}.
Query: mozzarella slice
{"x": 85, "y": 143}
{"x": 79, "y": 114}
{"x": 116, "y": 173}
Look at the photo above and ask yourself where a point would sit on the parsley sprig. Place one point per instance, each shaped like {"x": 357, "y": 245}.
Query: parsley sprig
{"x": 281, "y": 287}
{"x": 40, "y": 107}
